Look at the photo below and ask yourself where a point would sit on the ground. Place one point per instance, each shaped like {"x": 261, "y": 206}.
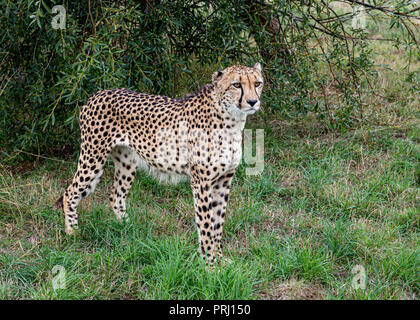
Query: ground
{"x": 323, "y": 204}
{"x": 327, "y": 201}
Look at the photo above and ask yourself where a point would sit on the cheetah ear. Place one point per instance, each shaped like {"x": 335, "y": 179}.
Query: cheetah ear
{"x": 216, "y": 76}
{"x": 258, "y": 67}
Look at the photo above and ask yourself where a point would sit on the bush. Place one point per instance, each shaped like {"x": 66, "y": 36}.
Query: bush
{"x": 162, "y": 47}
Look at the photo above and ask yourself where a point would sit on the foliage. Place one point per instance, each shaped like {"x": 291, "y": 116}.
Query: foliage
{"x": 307, "y": 48}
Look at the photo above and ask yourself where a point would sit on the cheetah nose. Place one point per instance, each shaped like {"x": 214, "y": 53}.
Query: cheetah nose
{"x": 251, "y": 102}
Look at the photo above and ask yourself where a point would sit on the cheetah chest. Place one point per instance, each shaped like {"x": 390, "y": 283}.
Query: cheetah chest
{"x": 219, "y": 151}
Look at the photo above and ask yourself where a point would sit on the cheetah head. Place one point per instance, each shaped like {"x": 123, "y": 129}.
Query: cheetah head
{"x": 239, "y": 89}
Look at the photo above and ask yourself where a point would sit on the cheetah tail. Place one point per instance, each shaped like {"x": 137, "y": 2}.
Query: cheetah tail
{"x": 59, "y": 203}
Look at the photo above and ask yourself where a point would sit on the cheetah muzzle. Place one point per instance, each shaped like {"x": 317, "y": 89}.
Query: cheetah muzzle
{"x": 197, "y": 138}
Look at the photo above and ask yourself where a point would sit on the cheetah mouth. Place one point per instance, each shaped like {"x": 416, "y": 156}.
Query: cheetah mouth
{"x": 242, "y": 110}
{"x": 250, "y": 110}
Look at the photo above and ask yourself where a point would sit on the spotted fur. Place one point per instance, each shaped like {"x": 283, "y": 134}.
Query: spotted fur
{"x": 197, "y": 138}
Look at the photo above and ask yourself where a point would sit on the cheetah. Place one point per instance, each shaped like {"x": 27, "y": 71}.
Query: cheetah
{"x": 198, "y": 138}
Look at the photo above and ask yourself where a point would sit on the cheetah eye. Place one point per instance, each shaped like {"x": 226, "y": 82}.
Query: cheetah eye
{"x": 257, "y": 84}
{"x": 237, "y": 84}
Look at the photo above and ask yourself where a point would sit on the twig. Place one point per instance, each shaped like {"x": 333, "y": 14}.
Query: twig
{"x": 91, "y": 18}
{"x": 37, "y": 155}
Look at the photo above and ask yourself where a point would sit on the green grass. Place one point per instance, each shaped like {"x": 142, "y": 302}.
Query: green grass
{"x": 322, "y": 205}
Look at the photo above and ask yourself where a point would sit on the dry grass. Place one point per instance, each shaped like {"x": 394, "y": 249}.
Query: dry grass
{"x": 293, "y": 290}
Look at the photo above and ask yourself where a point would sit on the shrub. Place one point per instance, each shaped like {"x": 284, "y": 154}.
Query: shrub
{"x": 162, "y": 47}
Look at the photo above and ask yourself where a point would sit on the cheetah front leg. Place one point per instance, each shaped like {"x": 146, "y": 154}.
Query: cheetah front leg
{"x": 220, "y": 197}
{"x": 203, "y": 218}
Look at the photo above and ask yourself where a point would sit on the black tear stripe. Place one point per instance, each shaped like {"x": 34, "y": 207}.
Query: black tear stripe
{"x": 255, "y": 89}
{"x": 242, "y": 94}
{"x": 256, "y": 93}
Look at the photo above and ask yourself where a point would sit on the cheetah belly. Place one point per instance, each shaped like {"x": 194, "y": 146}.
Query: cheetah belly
{"x": 166, "y": 177}
{"x": 163, "y": 176}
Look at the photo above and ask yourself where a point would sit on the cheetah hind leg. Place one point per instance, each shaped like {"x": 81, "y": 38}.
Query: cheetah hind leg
{"x": 125, "y": 163}
{"x": 84, "y": 183}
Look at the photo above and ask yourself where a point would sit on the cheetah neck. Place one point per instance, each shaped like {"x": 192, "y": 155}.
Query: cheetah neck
{"x": 231, "y": 116}
{"x": 236, "y": 117}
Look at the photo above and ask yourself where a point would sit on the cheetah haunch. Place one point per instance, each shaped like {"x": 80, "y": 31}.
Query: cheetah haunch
{"x": 198, "y": 137}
